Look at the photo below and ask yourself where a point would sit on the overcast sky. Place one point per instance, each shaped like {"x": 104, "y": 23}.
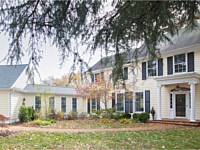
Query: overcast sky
{"x": 50, "y": 64}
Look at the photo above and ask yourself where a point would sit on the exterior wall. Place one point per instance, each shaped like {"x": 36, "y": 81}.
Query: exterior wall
{"x": 5, "y": 103}
{"x": 81, "y": 104}
{"x": 22, "y": 81}
{"x": 16, "y": 102}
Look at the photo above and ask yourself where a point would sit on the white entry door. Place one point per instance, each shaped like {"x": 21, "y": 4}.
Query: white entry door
{"x": 179, "y": 105}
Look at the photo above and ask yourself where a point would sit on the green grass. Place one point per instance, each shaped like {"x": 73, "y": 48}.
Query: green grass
{"x": 179, "y": 138}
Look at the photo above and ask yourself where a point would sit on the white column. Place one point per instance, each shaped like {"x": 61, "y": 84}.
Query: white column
{"x": 192, "y": 110}
{"x": 159, "y": 102}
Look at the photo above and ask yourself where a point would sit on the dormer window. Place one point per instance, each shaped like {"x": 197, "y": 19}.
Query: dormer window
{"x": 152, "y": 68}
{"x": 180, "y": 63}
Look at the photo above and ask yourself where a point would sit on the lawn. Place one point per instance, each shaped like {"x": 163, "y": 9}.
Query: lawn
{"x": 179, "y": 138}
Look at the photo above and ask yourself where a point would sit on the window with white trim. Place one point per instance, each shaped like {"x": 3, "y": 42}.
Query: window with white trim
{"x": 94, "y": 104}
{"x": 180, "y": 63}
{"x": 139, "y": 102}
{"x": 120, "y": 102}
{"x": 74, "y": 104}
{"x": 37, "y": 102}
{"x": 152, "y": 68}
{"x": 63, "y": 104}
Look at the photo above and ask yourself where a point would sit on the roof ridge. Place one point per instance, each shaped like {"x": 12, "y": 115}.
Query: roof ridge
{"x": 51, "y": 86}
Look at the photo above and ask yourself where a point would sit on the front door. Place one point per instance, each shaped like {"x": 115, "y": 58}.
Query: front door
{"x": 180, "y": 105}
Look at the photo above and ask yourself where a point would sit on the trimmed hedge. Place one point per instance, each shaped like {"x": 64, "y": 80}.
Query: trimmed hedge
{"x": 142, "y": 117}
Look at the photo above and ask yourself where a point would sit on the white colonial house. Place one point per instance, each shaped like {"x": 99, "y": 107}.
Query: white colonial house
{"x": 170, "y": 84}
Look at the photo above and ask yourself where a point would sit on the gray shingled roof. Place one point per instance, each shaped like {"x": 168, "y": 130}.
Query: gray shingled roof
{"x": 183, "y": 39}
{"x": 9, "y": 74}
{"x": 30, "y": 88}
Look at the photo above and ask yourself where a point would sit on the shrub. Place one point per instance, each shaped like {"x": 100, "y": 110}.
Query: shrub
{"x": 104, "y": 120}
{"x": 125, "y": 121}
{"x": 118, "y": 115}
{"x": 23, "y": 114}
{"x": 107, "y": 113}
{"x": 135, "y": 116}
{"x": 82, "y": 115}
{"x": 39, "y": 122}
{"x": 31, "y": 113}
{"x": 72, "y": 115}
{"x": 94, "y": 116}
{"x": 59, "y": 115}
{"x": 153, "y": 112}
{"x": 127, "y": 116}
{"x": 143, "y": 117}
{"x": 39, "y": 115}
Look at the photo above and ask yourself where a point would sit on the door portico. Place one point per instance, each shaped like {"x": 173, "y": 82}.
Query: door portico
{"x": 184, "y": 101}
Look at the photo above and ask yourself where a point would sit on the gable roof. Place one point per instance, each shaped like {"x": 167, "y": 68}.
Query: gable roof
{"x": 35, "y": 88}
{"x": 181, "y": 40}
{"x": 9, "y": 74}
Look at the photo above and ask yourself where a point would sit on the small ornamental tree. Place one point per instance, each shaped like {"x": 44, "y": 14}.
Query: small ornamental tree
{"x": 100, "y": 89}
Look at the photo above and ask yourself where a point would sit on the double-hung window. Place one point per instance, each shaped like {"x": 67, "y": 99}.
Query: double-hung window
{"x": 152, "y": 68}
{"x": 180, "y": 63}
{"x": 63, "y": 104}
{"x": 37, "y": 102}
{"x": 74, "y": 104}
{"x": 139, "y": 102}
{"x": 94, "y": 104}
{"x": 120, "y": 102}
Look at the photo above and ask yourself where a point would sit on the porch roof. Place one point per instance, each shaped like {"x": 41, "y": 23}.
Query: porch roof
{"x": 178, "y": 78}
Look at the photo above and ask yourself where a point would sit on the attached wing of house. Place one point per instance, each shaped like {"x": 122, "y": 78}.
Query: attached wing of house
{"x": 16, "y": 87}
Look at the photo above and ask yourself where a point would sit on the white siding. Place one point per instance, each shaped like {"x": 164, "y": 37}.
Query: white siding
{"x": 16, "y": 102}
{"x": 22, "y": 81}
{"x": 4, "y": 103}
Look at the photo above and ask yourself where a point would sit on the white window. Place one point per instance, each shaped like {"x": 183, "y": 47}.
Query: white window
{"x": 37, "y": 102}
{"x": 63, "y": 104}
{"x": 180, "y": 63}
{"x": 152, "y": 68}
{"x": 139, "y": 102}
{"x": 120, "y": 102}
{"x": 74, "y": 104}
{"x": 94, "y": 104}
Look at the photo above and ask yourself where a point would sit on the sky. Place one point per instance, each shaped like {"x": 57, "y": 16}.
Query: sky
{"x": 49, "y": 65}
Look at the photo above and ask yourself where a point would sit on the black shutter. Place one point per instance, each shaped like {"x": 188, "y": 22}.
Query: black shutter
{"x": 190, "y": 62}
{"x": 144, "y": 72}
{"x": 98, "y": 104}
{"x": 92, "y": 78}
{"x": 88, "y": 106}
{"x": 147, "y": 101}
{"x": 113, "y": 100}
{"x": 126, "y": 73}
{"x": 169, "y": 65}
{"x": 160, "y": 67}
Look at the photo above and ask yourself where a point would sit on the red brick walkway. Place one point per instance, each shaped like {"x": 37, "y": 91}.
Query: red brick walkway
{"x": 21, "y": 128}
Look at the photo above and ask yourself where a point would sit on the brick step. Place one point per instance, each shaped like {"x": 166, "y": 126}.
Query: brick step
{"x": 183, "y": 123}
